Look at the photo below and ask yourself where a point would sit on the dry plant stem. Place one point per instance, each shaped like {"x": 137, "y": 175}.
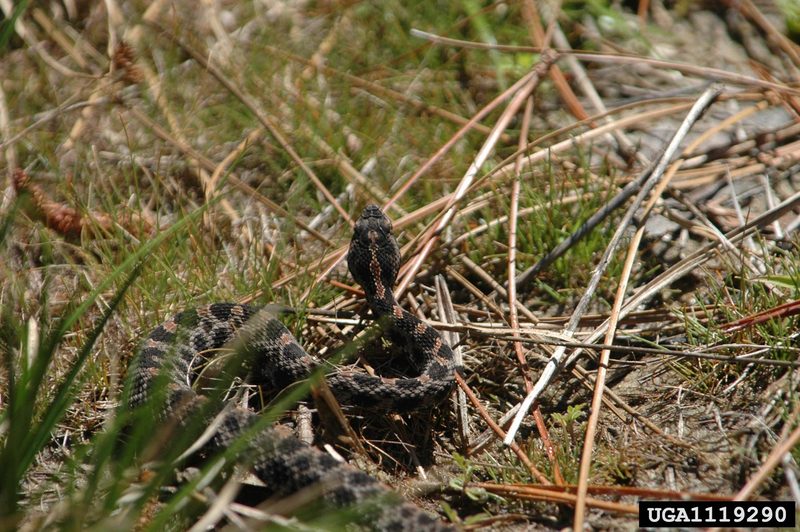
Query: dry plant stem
{"x": 479, "y": 331}
{"x": 512, "y": 295}
{"x": 512, "y": 250}
{"x": 475, "y": 291}
{"x": 488, "y": 147}
{"x": 780, "y": 311}
{"x": 710, "y": 74}
{"x": 543, "y": 494}
{"x": 58, "y": 37}
{"x": 600, "y": 380}
{"x": 694, "y": 114}
{"x": 528, "y": 275}
{"x": 153, "y": 81}
{"x": 340, "y": 160}
{"x": 218, "y": 508}
{"x": 466, "y": 128}
{"x": 499, "y": 431}
{"x": 448, "y": 314}
{"x": 748, "y": 9}
{"x": 504, "y": 170}
{"x": 626, "y": 491}
{"x": 222, "y": 167}
{"x": 694, "y": 260}
{"x": 345, "y": 166}
{"x": 42, "y": 118}
{"x": 626, "y": 147}
{"x": 259, "y": 113}
{"x": 21, "y": 29}
{"x": 531, "y": 16}
{"x": 485, "y": 226}
{"x": 9, "y": 152}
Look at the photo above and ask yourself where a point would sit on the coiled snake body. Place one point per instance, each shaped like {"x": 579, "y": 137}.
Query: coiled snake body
{"x": 281, "y": 461}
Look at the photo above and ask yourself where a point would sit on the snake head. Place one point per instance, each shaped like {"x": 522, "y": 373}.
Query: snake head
{"x": 374, "y": 256}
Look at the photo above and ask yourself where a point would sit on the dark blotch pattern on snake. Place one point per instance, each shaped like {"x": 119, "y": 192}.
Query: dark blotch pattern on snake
{"x": 280, "y": 460}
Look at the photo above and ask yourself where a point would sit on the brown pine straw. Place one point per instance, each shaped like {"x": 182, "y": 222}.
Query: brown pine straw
{"x": 749, "y": 9}
{"x": 546, "y": 492}
{"x": 531, "y": 17}
{"x": 530, "y": 493}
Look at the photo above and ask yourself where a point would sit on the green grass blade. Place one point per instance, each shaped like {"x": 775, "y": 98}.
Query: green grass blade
{"x": 25, "y": 438}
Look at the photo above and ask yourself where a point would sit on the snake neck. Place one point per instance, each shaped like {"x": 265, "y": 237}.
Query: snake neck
{"x": 382, "y": 306}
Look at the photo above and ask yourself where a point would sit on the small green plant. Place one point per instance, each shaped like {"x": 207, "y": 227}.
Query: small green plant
{"x": 567, "y": 433}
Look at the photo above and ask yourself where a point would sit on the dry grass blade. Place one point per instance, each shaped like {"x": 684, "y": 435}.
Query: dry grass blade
{"x": 605, "y": 354}
{"x": 542, "y": 41}
{"x": 498, "y": 430}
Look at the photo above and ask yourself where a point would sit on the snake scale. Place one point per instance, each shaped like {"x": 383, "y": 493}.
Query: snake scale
{"x": 276, "y": 457}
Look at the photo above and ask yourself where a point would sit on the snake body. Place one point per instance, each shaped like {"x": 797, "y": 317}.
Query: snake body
{"x": 277, "y": 458}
